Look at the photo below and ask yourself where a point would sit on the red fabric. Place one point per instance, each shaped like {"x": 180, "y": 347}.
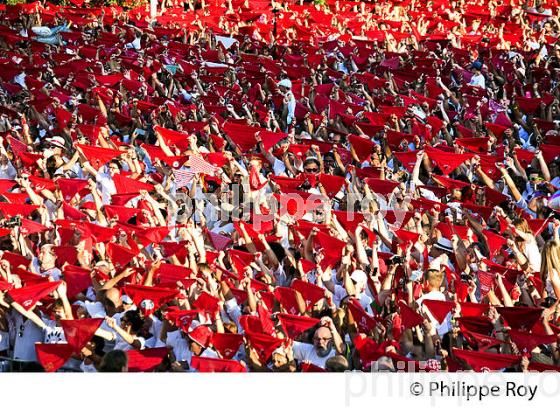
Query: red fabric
{"x": 158, "y": 296}
{"x": 120, "y": 255}
{"x": 483, "y": 361}
{"x": 52, "y": 356}
{"x": 207, "y": 303}
{"x": 227, "y": 344}
{"x": 213, "y": 365}
{"x": 520, "y": 317}
{"x": 125, "y": 185}
{"x": 98, "y": 156}
{"x": 29, "y": 295}
{"x": 364, "y": 321}
{"x": 447, "y": 162}
{"x": 263, "y": 344}
{"x": 310, "y": 293}
{"x": 410, "y": 318}
{"x": 288, "y": 299}
{"x": 528, "y": 341}
{"x": 146, "y": 360}
{"x": 77, "y": 280}
{"x": 79, "y": 332}
{"x": 438, "y": 308}
{"x": 295, "y": 325}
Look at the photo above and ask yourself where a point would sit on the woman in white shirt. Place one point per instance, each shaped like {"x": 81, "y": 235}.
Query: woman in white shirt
{"x": 127, "y": 333}
{"x": 550, "y": 267}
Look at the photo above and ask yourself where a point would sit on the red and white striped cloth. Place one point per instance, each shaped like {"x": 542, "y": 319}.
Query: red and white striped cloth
{"x": 183, "y": 177}
{"x": 199, "y": 166}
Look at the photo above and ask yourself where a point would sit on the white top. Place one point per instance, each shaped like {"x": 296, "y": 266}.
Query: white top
{"x": 306, "y": 352}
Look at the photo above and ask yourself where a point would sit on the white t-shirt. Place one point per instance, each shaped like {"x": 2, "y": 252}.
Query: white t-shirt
{"x": 306, "y": 352}
{"x": 25, "y": 334}
{"x": 445, "y": 326}
{"x": 53, "y": 333}
{"x": 122, "y": 344}
{"x": 478, "y": 80}
{"x": 106, "y": 185}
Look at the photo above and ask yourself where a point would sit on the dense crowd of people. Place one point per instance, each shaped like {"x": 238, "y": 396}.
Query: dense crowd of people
{"x": 280, "y": 187}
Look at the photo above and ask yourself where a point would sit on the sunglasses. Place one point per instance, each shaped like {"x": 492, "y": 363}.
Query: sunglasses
{"x": 313, "y": 170}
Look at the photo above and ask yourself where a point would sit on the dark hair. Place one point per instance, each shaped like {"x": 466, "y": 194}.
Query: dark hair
{"x": 136, "y": 322}
{"x": 116, "y": 361}
{"x": 278, "y": 250}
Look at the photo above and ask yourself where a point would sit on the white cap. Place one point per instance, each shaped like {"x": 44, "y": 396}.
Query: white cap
{"x": 444, "y": 244}
{"x": 359, "y": 276}
{"x": 56, "y": 141}
{"x": 285, "y": 83}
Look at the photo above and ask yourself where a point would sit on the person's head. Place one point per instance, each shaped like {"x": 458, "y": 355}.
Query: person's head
{"x": 199, "y": 339}
{"x": 550, "y": 259}
{"x": 323, "y": 341}
{"x": 311, "y": 165}
{"x": 336, "y": 364}
{"x": 359, "y": 279}
{"x": 112, "y": 301}
{"x": 476, "y": 67}
{"x": 55, "y": 145}
{"x": 279, "y": 360}
{"x": 47, "y": 257}
{"x": 434, "y": 279}
{"x": 383, "y": 364}
{"x": 132, "y": 322}
{"x": 58, "y": 310}
{"x": 443, "y": 245}
{"x": 114, "y": 167}
{"x": 284, "y": 85}
{"x": 115, "y": 361}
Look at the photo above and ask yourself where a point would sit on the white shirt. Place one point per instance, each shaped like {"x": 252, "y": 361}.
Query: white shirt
{"x": 445, "y": 326}
{"x": 306, "y": 352}
{"x": 106, "y": 185}
{"x": 24, "y": 334}
{"x": 478, "y": 80}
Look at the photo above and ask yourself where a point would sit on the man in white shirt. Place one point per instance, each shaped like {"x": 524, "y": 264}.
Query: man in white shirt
{"x": 326, "y": 344}
{"x": 478, "y": 79}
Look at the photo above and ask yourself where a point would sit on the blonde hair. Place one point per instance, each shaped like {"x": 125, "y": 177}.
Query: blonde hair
{"x": 550, "y": 259}
{"x": 434, "y": 278}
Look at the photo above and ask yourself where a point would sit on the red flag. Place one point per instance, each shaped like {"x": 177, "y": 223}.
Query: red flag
{"x": 98, "y": 156}
{"x": 483, "y": 361}
{"x": 158, "y": 296}
{"x": 227, "y": 344}
{"x": 528, "y": 341}
{"x": 410, "y": 317}
{"x": 310, "y": 293}
{"x": 213, "y": 365}
{"x": 120, "y": 255}
{"x": 53, "y": 355}
{"x": 145, "y": 360}
{"x": 263, "y": 344}
{"x": 364, "y": 321}
{"x": 295, "y": 325}
{"x": 79, "y": 332}
{"x": 438, "y": 308}
{"x": 520, "y": 317}
{"x": 29, "y": 295}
